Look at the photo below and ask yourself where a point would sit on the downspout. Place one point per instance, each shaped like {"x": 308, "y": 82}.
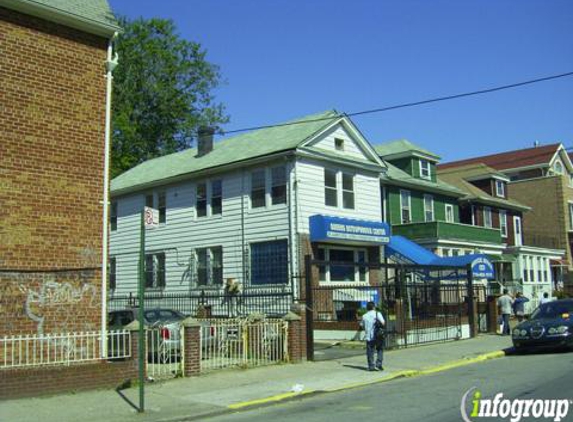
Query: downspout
{"x": 110, "y": 64}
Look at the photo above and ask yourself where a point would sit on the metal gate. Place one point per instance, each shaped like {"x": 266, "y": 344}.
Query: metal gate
{"x": 164, "y": 347}
{"x": 421, "y": 304}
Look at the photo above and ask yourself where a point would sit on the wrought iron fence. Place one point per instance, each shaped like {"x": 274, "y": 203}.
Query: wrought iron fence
{"x": 243, "y": 343}
{"x": 213, "y": 303}
{"x": 62, "y": 349}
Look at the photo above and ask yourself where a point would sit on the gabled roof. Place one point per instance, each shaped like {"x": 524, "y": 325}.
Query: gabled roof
{"x": 93, "y": 16}
{"x": 402, "y": 148}
{"x": 536, "y": 156}
{"x": 459, "y": 176}
{"x": 289, "y": 136}
{"x": 401, "y": 178}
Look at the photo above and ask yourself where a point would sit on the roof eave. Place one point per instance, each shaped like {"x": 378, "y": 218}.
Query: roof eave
{"x": 63, "y": 17}
{"x": 199, "y": 173}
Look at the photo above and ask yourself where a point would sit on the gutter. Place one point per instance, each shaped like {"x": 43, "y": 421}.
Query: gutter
{"x": 63, "y": 17}
{"x": 110, "y": 64}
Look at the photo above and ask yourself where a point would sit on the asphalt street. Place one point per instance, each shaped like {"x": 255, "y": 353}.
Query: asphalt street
{"x": 431, "y": 398}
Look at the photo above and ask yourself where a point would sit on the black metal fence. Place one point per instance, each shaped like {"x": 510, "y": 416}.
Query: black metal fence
{"x": 213, "y": 303}
{"x": 421, "y": 304}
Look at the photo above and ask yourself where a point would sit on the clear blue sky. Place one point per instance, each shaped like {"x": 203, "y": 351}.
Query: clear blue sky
{"x": 283, "y": 59}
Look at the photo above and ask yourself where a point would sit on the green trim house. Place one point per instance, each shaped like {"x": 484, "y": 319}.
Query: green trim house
{"x": 424, "y": 208}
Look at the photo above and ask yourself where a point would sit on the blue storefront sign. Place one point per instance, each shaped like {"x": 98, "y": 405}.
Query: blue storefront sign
{"x": 337, "y": 229}
{"x": 482, "y": 268}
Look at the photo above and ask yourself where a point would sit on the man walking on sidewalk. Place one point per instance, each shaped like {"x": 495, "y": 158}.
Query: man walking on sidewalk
{"x": 372, "y": 322}
{"x": 504, "y": 304}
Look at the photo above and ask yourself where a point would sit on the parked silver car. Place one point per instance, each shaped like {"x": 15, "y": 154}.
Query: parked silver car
{"x": 163, "y": 327}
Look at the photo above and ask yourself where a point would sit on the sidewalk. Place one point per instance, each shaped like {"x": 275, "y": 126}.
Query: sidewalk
{"x": 220, "y": 391}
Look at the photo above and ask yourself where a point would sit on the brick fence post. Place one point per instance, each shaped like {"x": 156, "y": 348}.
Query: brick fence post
{"x": 492, "y": 314}
{"x": 296, "y": 334}
{"x": 191, "y": 347}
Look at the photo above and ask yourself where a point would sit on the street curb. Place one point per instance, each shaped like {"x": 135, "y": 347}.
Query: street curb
{"x": 408, "y": 373}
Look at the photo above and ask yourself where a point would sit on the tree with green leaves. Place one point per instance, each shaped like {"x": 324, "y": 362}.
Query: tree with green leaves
{"x": 162, "y": 92}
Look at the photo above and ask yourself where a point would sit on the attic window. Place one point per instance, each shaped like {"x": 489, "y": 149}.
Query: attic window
{"x": 500, "y": 188}
{"x": 339, "y": 144}
{"x": 558, "y": 167}
{"x": 425, "y": 172}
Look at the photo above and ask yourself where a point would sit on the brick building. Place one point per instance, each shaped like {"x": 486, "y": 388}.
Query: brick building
{"x": 52, "y": 163}
{"x": 542, "y": 178}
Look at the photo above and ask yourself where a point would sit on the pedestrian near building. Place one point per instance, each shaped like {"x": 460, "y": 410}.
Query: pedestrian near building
{"x": 372, "y": 323}
{"x": 519, "y": 306}
{"x": 545, "y": 298}
{"x": 504, "y": 304}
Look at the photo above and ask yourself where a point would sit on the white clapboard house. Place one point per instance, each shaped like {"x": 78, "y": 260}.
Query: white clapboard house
{"x": 241, "y": 208}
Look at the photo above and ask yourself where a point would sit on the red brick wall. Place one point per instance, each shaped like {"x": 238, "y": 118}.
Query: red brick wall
{"x": 19, "y": 383}
{"x": 51, "y": 161}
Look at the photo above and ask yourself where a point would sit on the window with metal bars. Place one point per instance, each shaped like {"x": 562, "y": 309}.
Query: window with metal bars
{"x": 269, "y": 262}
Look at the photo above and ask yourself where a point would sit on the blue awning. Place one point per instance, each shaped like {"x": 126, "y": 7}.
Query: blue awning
{"x": 404, "y": 251}
{"x": 325, "y": 228}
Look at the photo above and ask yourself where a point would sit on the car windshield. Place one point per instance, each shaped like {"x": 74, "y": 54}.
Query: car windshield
{"x": 553, "y": 310}
{"x": 162, "y": 315}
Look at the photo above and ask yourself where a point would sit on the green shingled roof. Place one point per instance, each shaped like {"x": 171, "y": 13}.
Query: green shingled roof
{"x": 457, "y": 176}
{"x": 401, "y": 177}
{"x": 402, "y": 146}
{"x": 90, "y": 15}
{"x": 232, "y": 150}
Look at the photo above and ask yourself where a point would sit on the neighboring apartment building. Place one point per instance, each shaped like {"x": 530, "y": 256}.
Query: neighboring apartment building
{"x": 542, "y": 178}
{"x": 250, "y": 207}
{"x": 52, "y": 125}
{"x": 487, "y": 204}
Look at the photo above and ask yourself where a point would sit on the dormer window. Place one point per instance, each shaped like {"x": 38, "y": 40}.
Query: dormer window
{"x": 500, "y": 188}
{"x": 425, "y": 172}
{"x": 339, "y": 144}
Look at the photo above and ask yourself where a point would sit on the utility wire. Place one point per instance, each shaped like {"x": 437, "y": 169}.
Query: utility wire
{"x": 405, "y": 105}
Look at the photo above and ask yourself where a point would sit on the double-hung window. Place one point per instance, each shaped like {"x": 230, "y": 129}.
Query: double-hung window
{"x": 158, "y": 201}
{"x": 209, "y": 198}
{"x": 258, "y": 188}
{"x": 330, "y": 188}
{"x": 269, "y": 262}
{"x": 570, "y": 206}
{"x": 428, "y": 208}
{"x": 449, "y": 213}
{"x": 500, "y": 188}
{"x": 269, "y": 187}
{"x": 487, "y": 219}
{"x": 113, "y": 216}
{"x": 405, "y": 206}
{"x": 347, "y": 191}
{"x": 209, "y": 266}
{"x": 216, "y": 197}
{"x": 278, "y": 185}
{"x": 425, "y": 169}
{"x": 503, "y": 222}
{"x": 155, "y": 271}
{"x": 201, "y": 199}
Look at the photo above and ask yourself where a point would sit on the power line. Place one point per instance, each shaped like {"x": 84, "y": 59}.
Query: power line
{"x": 411, "y": 104}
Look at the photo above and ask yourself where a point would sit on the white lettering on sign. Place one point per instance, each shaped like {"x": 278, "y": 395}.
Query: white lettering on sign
{"x": 352, "y": 229}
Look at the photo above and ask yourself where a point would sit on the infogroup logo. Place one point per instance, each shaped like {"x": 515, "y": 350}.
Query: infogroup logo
{"x": 512, "y": 409}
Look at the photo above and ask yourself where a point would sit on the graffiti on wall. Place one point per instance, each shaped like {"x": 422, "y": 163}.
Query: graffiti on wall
{"x": 49, "y": 302}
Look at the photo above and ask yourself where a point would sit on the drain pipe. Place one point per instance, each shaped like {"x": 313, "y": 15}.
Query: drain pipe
{"x": 110, "y": 64}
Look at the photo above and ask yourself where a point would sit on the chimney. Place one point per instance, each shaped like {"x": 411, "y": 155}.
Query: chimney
{"x": 536, "y": 144}
{"x": 205, "y": 140}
